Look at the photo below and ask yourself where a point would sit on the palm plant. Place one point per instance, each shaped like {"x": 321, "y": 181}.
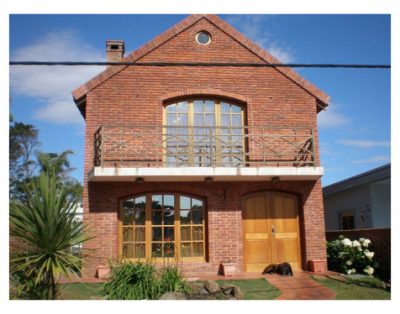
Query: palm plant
{"x": 45, "y": 223}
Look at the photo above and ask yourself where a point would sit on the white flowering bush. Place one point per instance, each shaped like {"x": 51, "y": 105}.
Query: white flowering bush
{"x": 349, "y": 257}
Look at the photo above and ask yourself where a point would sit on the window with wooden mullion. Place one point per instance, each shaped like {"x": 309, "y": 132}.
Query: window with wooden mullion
{"x": 163, "y": 226}
{"x": 192, "y": 233}
{"x": 133, "y": 227}
{"x": 214, "y": 133}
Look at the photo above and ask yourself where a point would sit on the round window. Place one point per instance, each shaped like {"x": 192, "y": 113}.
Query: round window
{"x": 203, "y": 38}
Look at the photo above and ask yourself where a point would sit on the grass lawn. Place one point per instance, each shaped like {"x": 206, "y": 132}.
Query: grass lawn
{"x": 255, "y": 289}
{"x": 80, "y": 291}
{"x": 348, "y": 291}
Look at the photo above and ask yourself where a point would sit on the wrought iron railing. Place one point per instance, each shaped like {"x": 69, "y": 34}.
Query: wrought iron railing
{"x": 183, "y": 146}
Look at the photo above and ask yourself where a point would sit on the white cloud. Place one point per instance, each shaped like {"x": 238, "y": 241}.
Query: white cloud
{"x": 372, "y": 160}
{"x": 331, "y": 117}
{"x": 52, "y": 85}
{"x": 364, "y": 143}
{"x": 253, "y": 27}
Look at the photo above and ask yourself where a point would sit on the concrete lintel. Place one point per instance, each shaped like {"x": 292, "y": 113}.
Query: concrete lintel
{"x": 100, "y": 174}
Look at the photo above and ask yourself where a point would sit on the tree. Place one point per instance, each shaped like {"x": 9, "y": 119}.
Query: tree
{"x": 59, "y": 165}
{"x": 23, "y": 141}
{"x": 55, "y": 163}
{"x": 45, "y": 223}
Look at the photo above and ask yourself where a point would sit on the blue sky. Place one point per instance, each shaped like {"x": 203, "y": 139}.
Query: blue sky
{"x": 354, "y": 131}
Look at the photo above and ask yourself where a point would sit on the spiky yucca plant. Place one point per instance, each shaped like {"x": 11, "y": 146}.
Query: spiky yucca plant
{"x": 45, "y": 223}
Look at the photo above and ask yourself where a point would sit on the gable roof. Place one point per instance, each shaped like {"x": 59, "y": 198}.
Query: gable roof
{"x": 80, "y": 92}
{"x": 367, "y": 177}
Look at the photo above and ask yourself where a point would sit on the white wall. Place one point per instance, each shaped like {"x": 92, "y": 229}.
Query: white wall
{"x": 355, "y": 201}
{"x": 370, "y": 201}
{"x": 380, "y": 203}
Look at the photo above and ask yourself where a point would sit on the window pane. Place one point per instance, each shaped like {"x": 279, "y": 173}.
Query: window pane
{"x": 198, "y": 106}
{"x": 210, "y": 120}
{"x": 171, "y": 119}
{"x": 127, "y": 212}
{"x": 157, "y": 217}
{"x": 197, "y": 212}
{"x": 185, "y": 217}
{"x": 182, "y": 120}
{"x": 185, "y": 234}
{"x": 185, "y": 202}
{"x": 140, "y": 250}
{"x": 171, "y": 108}
{"x": 169, "y": 217}
{"x": 225, "y": 121}
{"x": 139, "y": 234}
{"x": 198, "y": 249}
{"x": 209, "y": 106}
{"x": 127, "y": 234}
{"x": 185, "y": 249}
{"x": 198, "y": 120}
{"x": 225, "y": 107}
{"x": 156, "y": 201}
{"x": 237, "y": 120}
{"x": 127, "y": 218}
{"x": 140, "y": 202}
{"x": 157, "y": 235}
{"x": 127, "y": 250}
{"x": 235, "y": 109}
{"x": 140, "y": 215}
{"x": 169, "y": 201}
{"x": 156, "y": 250}
{"x": 197, "y": 233}
{"x": 168, "y": 234}
{"x": 169, "y": 249}
{"x": 183, "y": 106}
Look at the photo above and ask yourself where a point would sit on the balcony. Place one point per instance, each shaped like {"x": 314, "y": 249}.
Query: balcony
{"x": 181, "y": 153}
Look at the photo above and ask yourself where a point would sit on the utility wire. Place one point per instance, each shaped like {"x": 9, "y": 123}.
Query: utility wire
{"x": 200, "y": 64}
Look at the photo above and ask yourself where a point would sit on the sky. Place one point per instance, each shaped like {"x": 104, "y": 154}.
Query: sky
{"x": 354, "y": 133}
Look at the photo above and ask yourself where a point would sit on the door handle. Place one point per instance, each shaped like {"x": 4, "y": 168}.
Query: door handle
{"x": 273, "y": 230}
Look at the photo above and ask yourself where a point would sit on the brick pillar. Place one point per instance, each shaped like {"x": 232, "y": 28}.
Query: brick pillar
{"x": 314, "y": 225}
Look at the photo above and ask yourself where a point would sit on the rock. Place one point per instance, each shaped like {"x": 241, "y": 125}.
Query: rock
{"x": 196, "y": 287}
{"x": 173, "y": 296}
{"x": 203, "y": 291}
{"x": 227, "y": 288}
{"x": 237, "y": 293}
{"x": 211, "y": 286}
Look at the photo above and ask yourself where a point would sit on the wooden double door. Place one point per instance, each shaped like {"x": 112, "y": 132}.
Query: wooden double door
{"x": 271, "y": 230}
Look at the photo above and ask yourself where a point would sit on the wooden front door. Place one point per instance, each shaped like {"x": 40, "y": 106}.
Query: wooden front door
{"x": 271, "y": 230}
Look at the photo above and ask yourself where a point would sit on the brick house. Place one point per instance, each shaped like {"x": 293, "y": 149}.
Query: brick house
{"x": 203, "y": 164}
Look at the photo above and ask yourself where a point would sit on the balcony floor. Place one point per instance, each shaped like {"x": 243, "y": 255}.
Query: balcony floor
{"x": 198, "y": 174}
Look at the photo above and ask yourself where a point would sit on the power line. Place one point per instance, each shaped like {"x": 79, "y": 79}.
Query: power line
{"x": 199, "y": 64}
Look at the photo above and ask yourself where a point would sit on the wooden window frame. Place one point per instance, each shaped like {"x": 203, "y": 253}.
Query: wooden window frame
{"x": 190, "y": 118}
{"x": 177, "y": 229}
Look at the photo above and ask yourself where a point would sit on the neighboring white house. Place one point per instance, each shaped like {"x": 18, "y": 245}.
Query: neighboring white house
{"x": 359, "y": 202}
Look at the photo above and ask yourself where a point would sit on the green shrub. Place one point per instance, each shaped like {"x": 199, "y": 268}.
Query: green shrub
{"x": 349, "y": 257}
{"x": 132, "y": 281}
{"x": 171, "y": 280}
{"x": 25, "y": 287}
{"x": 141, "y": 281}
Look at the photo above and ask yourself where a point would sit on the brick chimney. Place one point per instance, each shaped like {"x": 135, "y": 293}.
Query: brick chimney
{"x": 115, "y": 50}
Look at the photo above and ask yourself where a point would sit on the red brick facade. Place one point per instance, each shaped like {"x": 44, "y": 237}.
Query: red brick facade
{"x": 135, "y": 95}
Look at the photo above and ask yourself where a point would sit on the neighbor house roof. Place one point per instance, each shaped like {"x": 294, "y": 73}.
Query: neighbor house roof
{"x": 367, "y": 177}
{"x": 80, "y": 93}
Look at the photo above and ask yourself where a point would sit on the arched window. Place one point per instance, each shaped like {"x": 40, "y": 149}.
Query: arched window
{"x": 162, "y": 225}
{"x": 204, "y": 133}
